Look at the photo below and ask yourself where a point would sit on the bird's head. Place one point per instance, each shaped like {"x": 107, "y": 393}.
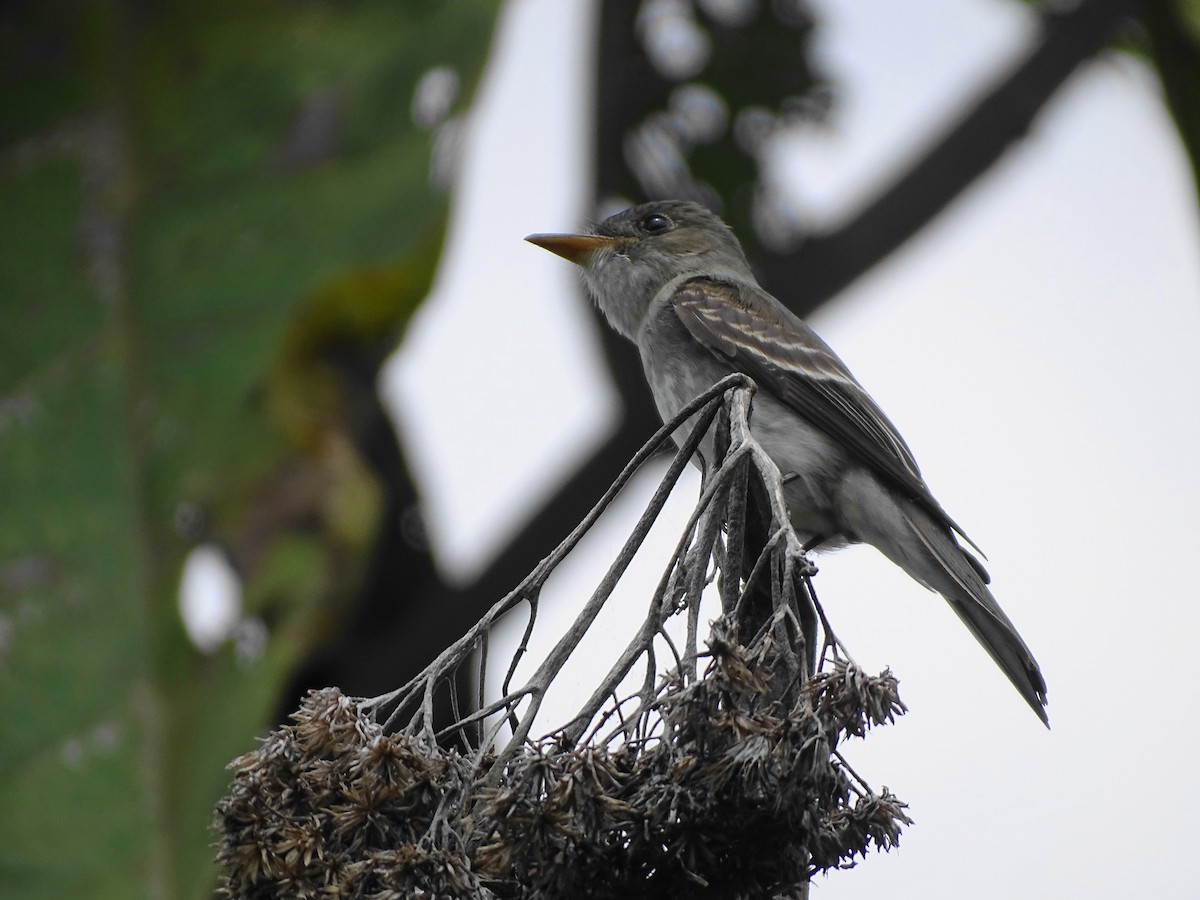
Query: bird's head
{"x": 629, "y": 258}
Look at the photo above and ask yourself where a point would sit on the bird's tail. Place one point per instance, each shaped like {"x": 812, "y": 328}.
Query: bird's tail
{"x": 946, "y": 568}
{"x": 926, "y": 549}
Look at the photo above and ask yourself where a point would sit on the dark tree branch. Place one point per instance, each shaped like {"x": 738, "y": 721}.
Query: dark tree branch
{"x": 1002, "y": 115}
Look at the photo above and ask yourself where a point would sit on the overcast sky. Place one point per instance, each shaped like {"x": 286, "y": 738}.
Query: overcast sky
{"x": 1037, "y": 346}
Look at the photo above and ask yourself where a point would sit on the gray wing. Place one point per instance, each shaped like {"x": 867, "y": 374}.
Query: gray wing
{"x": 788, "y": 360}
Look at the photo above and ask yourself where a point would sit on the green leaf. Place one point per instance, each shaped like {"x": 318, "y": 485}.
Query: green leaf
{"x": 204, "y": 209}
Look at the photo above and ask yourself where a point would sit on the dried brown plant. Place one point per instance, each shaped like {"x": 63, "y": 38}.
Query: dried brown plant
{"x": 720, "y": 776}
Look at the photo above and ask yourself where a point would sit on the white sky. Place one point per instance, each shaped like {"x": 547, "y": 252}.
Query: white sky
{"x": 1036, "y": 346}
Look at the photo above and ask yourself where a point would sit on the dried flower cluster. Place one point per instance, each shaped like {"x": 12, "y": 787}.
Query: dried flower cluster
{"x": 333, "y": 807}
{"x": 725, "y": 783}
{"x": 732, "y": 795}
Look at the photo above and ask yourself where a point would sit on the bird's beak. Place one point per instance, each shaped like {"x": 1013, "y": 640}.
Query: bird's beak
{"x": 578, "y": 248}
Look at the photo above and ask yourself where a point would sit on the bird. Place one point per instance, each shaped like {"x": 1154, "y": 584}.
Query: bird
{"x": 672, "y": 277}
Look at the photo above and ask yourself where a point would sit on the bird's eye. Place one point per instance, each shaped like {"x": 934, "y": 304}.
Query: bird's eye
{"x": 656, "y": 223}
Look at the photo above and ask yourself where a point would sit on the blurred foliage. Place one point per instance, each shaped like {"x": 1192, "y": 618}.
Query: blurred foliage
{"x": 1173, "y": 27}
{"x": 693, "y": 95}
{"x": 213, "y": 219}
{"x": 1166, "y": 35}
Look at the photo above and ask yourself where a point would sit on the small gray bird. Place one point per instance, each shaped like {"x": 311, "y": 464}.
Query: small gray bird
{"x": 672, "y": 277}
